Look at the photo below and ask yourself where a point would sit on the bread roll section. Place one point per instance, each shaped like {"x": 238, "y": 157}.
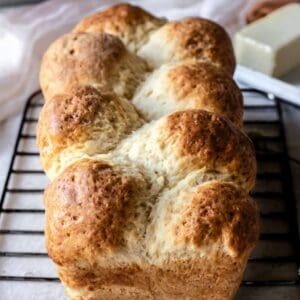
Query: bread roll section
{"x": 189, "y": 85}
{"x": 95, "y": 59}
{"x": 82, "y": 121}
{"x": 192, "y": 39}
{"x": 141, "y": 135}
{"x": 131, "y": 24}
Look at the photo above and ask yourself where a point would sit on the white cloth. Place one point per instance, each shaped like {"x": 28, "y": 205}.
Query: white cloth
{"x": 26, "y": 32}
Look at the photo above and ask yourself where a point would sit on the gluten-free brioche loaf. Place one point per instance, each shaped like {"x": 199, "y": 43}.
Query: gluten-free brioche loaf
{"x": 141, "y": 135}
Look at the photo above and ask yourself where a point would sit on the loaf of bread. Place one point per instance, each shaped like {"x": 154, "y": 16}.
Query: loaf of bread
{"x": 141, "y": 135}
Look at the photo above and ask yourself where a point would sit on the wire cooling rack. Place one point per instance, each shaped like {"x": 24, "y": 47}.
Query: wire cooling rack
{"x": 26, "y": 271}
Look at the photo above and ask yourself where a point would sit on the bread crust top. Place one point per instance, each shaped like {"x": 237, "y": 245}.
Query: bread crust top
{"x": 129, "y": 23}
{"x": 194, "y": 39}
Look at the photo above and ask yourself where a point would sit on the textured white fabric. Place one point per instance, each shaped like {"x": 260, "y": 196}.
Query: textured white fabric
{"x": 26, "y": 32}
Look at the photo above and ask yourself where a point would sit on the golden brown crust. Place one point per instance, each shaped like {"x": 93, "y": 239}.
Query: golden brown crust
{"x": 92, "y": 119}
{"x": 190, "y": 39}
{"x": 189, "y": 85}
{"x": 79, "y": 58}
{"x": 96, "y": 59}
{"x": 123, "y": 20}
{"x": 86, "y": 209}
{"x": 91, "y": 210}
{"x": 216, "y": 278}
{"x": 209, "y": 87}
{"x": 220, "y": 211}
{"x": 202, "y": 39}
{"x": 67, "y": 115}
{"x": 93, "y": 278}
{"x": 214, "y": 142}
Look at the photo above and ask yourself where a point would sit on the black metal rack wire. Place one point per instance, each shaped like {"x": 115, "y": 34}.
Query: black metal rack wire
{"x": 276, "y": 260}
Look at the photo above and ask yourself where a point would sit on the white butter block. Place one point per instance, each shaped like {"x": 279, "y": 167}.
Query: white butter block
{"x": 272, "y": 44}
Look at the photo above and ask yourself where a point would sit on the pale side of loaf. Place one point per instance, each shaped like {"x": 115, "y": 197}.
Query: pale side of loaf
{"x": 141, "y": 135}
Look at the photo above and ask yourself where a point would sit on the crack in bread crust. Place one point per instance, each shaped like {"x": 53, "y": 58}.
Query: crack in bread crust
{"x": 141, "y": 135}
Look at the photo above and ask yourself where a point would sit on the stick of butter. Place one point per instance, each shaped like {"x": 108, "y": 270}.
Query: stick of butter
{"x": 271, "y": 44}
